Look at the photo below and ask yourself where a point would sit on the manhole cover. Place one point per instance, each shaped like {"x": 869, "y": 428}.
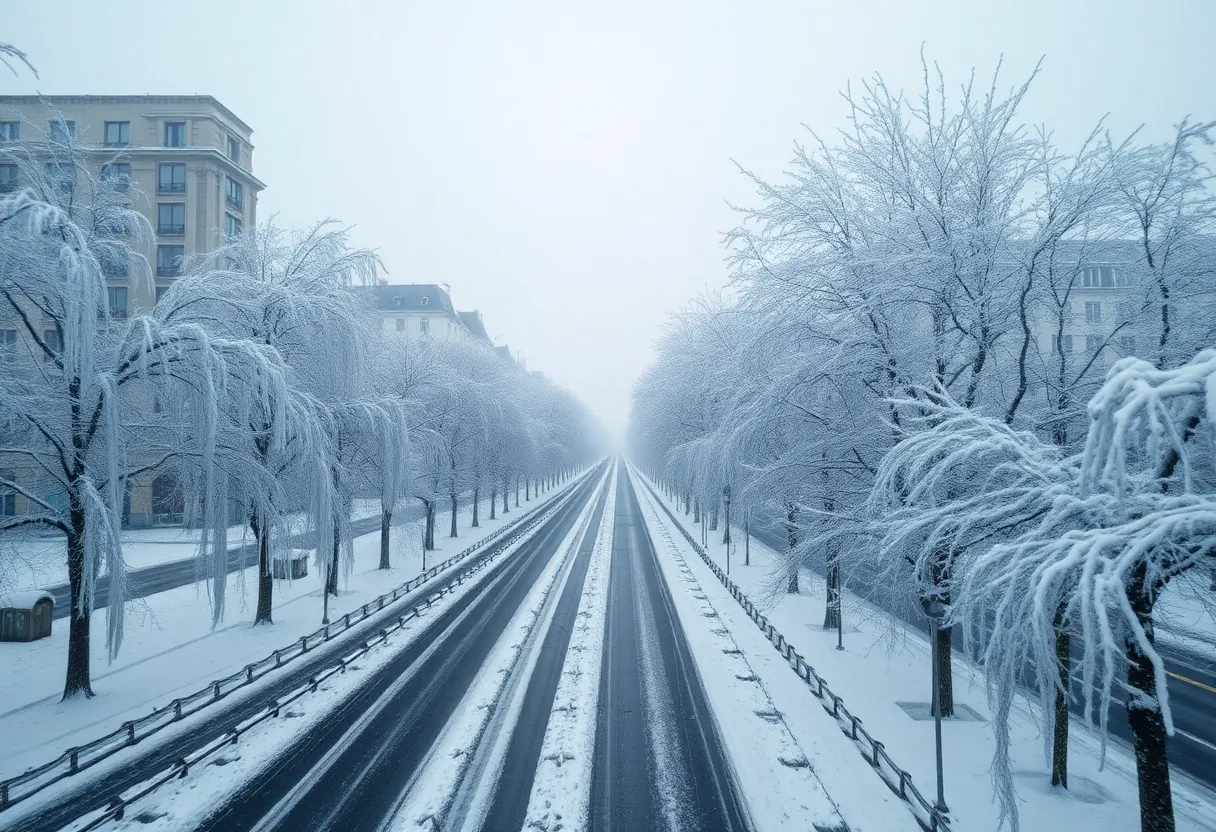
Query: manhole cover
{"x": 923, "y": 711}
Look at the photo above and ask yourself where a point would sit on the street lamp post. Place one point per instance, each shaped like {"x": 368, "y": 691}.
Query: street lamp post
{"x": 936, "y": 611}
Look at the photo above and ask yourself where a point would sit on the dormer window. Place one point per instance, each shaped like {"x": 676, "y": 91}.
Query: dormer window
{"x": 425, "y": 300}
{"x": 1102, "y": 277}
{"x": 397, "y": 301}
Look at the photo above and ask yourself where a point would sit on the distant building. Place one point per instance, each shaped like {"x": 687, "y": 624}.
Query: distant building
{"x": 418, "y": 309}
{"x": 187, "y": 159}
{"x": 504, "y": 352}
{"x": 476, "y": 327}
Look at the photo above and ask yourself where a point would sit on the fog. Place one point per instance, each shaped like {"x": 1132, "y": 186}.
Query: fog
{"x": 567, "y": 168}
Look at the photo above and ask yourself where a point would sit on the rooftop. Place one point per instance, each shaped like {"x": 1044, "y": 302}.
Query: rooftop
{"x": 414, "y": 297}
{"x": 57, "y": 100}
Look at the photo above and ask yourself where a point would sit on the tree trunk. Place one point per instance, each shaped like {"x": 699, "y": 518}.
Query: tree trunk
{"x": 476, "y": 503}
{"x": 265, "y": 573}
{"x": 331, "y": 583}
{"x": 527, "y": 489}
{"x": 428, "y": 539}
{"x": 493, "y": 503}
{"x": 945, "y": 675}
{"x": 386, "y": 519}
{"x": 78, "y": 680}
{"x": 713, "y": 519}
{"x": 454, "y": 507}
{"x": 791, "y": 534}
{"x": 517, "y": 492}
{"x": 1059, "y": 738}
{"x": 831, "y": 617}
{"x": 506, "y": 496}
{"x": 696, "y": 510}
{"x": 747, "y": 540}
{"x": 1147, "y": 723}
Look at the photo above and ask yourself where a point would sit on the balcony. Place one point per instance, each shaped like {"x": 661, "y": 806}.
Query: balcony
{"x": 168, "y": 269}
{"x": 235, "y": 203}
{"x": 171, "y": 187}
{"x": 8, "y": 186}
{"x": 176, "y": 230}
{"x": 116, "y": 144}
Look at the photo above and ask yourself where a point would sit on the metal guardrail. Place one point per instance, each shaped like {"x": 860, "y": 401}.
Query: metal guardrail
{"x": 77, "y": 759}
{"x": 872, "y": 750}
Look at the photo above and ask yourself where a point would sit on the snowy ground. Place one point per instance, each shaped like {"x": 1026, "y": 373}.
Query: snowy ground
{"x": 885, "y": 662}
{"x": 796, "y": 773}
{"x": 170, "y": 649}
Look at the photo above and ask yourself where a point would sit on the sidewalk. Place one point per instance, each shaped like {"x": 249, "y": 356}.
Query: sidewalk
{"x": 170, "y": 649}
{"x": 885, "y": 662}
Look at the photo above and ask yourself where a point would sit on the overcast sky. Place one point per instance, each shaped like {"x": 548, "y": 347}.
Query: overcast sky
{"x": 566, "y": 165}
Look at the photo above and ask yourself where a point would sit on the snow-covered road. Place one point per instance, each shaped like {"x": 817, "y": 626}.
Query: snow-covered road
{"x": 577, "y": 683}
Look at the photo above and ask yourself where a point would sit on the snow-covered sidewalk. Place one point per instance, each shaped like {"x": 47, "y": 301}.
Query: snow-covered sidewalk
{"x": 885, "y": 663}
{"x": 170, "y": 649}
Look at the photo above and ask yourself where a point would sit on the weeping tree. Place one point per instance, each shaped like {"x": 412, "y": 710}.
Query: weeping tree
{"x": 290, "y": 292}
{"x": 96, "y": 398}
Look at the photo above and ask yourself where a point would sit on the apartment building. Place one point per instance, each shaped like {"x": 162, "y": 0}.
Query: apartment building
{"x": 187, "y": 160}
{"x": 187, "y": 163}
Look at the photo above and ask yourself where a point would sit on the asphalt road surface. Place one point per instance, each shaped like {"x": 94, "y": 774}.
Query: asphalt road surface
{"x": 657, "y": 753}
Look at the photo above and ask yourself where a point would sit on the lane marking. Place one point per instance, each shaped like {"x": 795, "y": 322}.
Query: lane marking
{"x": 1199, "y": 685}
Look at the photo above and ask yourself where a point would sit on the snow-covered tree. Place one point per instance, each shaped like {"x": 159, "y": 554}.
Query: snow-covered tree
{"x": 93, "y": 399}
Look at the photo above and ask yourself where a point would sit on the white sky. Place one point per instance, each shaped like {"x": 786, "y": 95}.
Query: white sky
{"x": 565, "y": 165}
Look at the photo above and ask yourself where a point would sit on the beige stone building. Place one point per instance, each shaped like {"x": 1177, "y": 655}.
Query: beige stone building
{"x": 188, "y": 164}
{"x": 188, "y": 158}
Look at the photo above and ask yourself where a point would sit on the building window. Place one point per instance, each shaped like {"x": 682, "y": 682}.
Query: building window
{"x": 114, "y": 263}
{"x": 116, "y": 298}
{"x": 8, "y": 498}
{"x": 62, "y": 177}
{"x": 118, "y": 133}
{"x": 1093, "y": 312}
{"x": 234, "y": 194}
{"x": 117, "y": 174}
{"x": 171, "y": 219}
{"x": 234, "y": 149}
{"x": 171, "y": 178}
{"x": 1059, "y": 345}
{"x": 168, "y": 262}
{"x": 62, "y": 131}
{"x": 401, "y": 324}
{"x": 54, "y": 343}
{"x": 1093, "y": 343}
{"x": 8, "y": 178}
{"x": 232, "y": 226}
{"x": 424, "y": 301}
{"x": 10, "y": 131}
{"x": 1102, "y": 277}
{"x": 1127, "y": 344}
{"x": 175, "y": 134}
{"x": 424, "y": 326}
